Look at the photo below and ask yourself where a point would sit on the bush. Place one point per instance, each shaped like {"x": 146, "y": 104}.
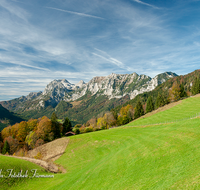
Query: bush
{"x": 76, "y": 131}
{"x": 88, "y": 129}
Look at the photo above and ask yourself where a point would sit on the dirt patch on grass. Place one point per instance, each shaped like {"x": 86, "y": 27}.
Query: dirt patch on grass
{"x": 50, "y": 151}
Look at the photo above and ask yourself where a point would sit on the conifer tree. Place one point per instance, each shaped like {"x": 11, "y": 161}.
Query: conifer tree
{"x": 196, "y": 86}
{"x": 160, "y": 101}
{"x": 139, "y": 111}
{"x": 182, "y": 91}
{"x": 6, "y": 148}
{"x": 67, "y": 126}
{"x": 55, "y": 126}
{"x": 150, "y": 105}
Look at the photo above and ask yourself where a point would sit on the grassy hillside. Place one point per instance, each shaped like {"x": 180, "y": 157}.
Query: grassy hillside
{"x": 17, "y": 165}
{"x": 164, "y": 156}
{"x": 184, "y": 109}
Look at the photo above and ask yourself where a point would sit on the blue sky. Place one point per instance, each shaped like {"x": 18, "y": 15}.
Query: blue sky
{"x": 74, "y": 39}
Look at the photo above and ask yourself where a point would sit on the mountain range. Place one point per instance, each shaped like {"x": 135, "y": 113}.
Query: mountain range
{"x": 100, "y": 94}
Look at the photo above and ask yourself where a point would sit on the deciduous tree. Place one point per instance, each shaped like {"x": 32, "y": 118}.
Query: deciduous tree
{"x": 44, "y": 129}
{"x": 13, "y": 144}
{"x": 174, "y": 92}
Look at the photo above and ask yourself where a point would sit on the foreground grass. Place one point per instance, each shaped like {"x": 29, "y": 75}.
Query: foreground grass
{"x": 154, "y": 157}
{"x": 7, "y": 163}
{"x": 187, "y": 108}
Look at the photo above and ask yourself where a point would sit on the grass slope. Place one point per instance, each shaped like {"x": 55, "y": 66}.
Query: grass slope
{"x": 17, "y": 165}
{"x": 162, "y": 156}
{"x": 183, "y": 110}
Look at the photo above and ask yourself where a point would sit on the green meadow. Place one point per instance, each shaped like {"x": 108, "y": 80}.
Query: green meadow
{"x": 165, "y": 156}
{"x": 186, "y": 109}
{"x": 17, "y": 165}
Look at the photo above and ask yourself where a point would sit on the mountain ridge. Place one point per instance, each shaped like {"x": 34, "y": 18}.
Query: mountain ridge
{"x": 101, "y": 93}
{"x": 113, "y": 86}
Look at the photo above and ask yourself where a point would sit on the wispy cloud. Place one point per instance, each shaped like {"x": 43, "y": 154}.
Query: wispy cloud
{"x": 17, "y": 11}
{"x": 110, "y": 59}
{"x": 147, "y": 4}
{"x": 76, "y": 13}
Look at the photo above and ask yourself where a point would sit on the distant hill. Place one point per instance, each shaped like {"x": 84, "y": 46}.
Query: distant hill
{"x": 81, "y": 101}
{"x": 7, "y": 118}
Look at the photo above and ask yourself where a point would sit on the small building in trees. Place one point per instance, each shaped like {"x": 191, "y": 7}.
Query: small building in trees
{"x": 70, "y": 133}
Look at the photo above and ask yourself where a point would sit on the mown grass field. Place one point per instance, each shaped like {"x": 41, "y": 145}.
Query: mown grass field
{"x": 184, "y": 110}
{"x": 8, "y": 182}
{"x": 165, "y": 156}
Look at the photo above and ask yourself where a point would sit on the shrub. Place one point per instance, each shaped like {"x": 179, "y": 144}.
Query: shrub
{"x": 76, "y": 131}
{"x": 88, "y": 129}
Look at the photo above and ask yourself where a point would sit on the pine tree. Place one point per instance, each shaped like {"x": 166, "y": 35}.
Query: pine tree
{"x": 139, "y": 111}
{"x": 196, "y": 86}
{"x": 160, "y": 101}
{"x": 67, "y": 126}
{"x": 182, "y": 91}
{"x": 150, "y": 105}
{"x": 6, "y": 148}
{"x": 55, "y": 126}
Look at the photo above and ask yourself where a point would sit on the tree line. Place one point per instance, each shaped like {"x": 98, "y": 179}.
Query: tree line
{"x": 26, "y": 135}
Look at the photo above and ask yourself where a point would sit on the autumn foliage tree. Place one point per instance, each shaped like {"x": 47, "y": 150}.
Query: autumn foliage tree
{"x": 6, "y": 132}
{"x": 31, "y": 139}
{"x": 126, "y": 115}
{"x": 23, "y": 131}
{"x": 175, "y": 92}
{"x": 44, "y": 129}
{"x": 13, "y": 144}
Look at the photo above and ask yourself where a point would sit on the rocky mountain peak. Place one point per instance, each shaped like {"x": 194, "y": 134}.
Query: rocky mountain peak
{"x": 112, "y": 86}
